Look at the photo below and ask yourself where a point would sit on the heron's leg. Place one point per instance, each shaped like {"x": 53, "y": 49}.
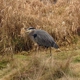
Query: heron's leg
{"x": 51, "y": 58}
{"x": 36, "y": 48}
{"x": 50, "y": 52}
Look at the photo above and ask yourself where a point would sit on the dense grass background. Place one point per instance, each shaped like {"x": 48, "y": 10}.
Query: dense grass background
{"x": 60, "y": 19}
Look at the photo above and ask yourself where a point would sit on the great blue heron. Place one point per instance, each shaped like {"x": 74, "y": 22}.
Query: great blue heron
{"x": 41, "y": 37}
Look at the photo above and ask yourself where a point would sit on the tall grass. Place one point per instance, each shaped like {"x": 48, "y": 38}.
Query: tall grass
{"x": 61, "y": 20}
{"x": 43, "y": 67}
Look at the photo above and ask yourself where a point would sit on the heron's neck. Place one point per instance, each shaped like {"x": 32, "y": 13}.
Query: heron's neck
{"x": 31, "y": 33}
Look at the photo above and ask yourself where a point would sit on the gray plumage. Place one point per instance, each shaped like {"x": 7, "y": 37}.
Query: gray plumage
{"x": 42, "y": 38}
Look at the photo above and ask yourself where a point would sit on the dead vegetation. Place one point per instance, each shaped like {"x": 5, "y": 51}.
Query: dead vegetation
{"x": 62, "y": 65}
{"x": 43, "y": 67}
{"x": 61, "y": 20}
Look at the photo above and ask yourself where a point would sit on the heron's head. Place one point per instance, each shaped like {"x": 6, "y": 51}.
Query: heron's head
{"x": 25, "y": 30}
{"x": 30, "y": 29}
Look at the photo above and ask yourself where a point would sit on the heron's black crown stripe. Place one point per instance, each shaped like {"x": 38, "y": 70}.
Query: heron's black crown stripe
{"x": 31, "y": 28}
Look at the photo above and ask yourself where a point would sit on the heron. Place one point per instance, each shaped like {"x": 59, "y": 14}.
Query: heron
{"x": 41, "y": 37}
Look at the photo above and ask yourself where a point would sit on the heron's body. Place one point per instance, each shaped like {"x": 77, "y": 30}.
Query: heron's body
{"x": 42, "y": 38}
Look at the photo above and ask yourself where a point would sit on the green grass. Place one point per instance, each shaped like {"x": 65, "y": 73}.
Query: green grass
{"x": 77, "y": 59}
{"x": 3, "y": 64}
{"x": 40, "y": 65}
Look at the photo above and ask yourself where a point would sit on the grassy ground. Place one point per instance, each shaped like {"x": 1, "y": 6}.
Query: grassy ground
{"x": 63, "y": 65}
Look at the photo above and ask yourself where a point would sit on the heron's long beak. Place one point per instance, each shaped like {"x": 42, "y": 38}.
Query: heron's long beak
{"x": 28, "y": 31}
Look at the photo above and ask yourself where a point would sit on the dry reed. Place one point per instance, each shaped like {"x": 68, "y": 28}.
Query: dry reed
{"x": 61, "y": 20}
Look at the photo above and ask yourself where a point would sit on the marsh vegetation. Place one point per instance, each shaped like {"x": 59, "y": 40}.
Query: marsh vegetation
{"x": 18, "y": 61}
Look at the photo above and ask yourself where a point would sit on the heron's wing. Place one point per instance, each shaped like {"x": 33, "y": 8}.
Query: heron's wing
{"x": 43, "y": 38}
